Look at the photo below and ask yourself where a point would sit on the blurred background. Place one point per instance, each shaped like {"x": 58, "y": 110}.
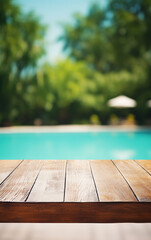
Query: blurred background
{"x": 61, "y": 61}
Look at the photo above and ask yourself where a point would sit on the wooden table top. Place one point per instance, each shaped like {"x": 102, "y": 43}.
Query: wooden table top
{"x": 76, "y": 186}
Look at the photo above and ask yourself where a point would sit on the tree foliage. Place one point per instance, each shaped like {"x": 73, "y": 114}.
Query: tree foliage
{"x": 109, "y": 54}
{"x": 114, "y": 39}
{"x": 21, "y": 45}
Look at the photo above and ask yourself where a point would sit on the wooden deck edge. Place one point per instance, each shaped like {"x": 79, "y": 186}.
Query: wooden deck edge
{"x": 103, "y": 212}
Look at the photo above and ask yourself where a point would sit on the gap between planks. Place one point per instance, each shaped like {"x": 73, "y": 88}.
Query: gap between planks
{"x": 50, "y": 182}
{"x": 144, "y": 164}
{"x": 74, "y": 170}
{"x": 126, "y": 181}
{"x": 19, "y": 183}
{"x": 137, "y": 178}
{"x": 12, "y": 165}
{"x": 111, "y": 185}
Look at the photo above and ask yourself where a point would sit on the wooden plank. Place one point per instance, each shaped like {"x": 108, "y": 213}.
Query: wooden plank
{"x": 146, "y": 164}
{"x": 81, "y": 204}
{"x": 96, "y": 212}
{"x": 110, "y": 184}
{"x": 49, "y": 186}
{"x": 19, "y": 183}
{"x": 79, "y": 182}
{"x": 6, "y": 167}
{"x": 137, "y": 177}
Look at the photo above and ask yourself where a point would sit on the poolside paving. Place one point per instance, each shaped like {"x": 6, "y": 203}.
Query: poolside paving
{"x": 37, "y": 231}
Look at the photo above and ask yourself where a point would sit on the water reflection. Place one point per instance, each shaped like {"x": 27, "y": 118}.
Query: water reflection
{"x": 123, "y": 154}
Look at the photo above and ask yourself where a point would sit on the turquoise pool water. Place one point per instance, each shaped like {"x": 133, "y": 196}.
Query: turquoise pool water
{"x": 81, "y": 145}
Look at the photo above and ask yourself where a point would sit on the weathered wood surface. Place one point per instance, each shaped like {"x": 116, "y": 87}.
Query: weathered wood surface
{"x": 110, "y": 184}
{"x": 75, "y": 191}
{"x": 138, "y": 179}
{"x": 19, "y": 184}
{"x": 79, "y": 183}
{"x": 145, "y": 164}
{"x": 6, "y": 168}
{"x": 49, "y": 186}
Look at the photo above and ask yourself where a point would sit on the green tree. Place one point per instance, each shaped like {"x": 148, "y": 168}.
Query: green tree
{"x": 21, "y": 46}
{"x": 115, "y": 39}
{"x": 132, "y": 44}
{"x": 70, "y": 92}
{"x": 88, "y": 39}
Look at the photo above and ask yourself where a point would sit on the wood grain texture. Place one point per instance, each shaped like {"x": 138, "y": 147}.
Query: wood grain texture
{"x": 104, "y": 212}
{"x": 19, "y": 183}
{"x": 6, "y": 167}
{"x": 110, "y": 184}
{"x": 146, "y": 164}
{"x": 137, "y": 177}
{"x": 79, "y": 183}
{"x": 49, "y": 186}
{"x": 44, "y": 183}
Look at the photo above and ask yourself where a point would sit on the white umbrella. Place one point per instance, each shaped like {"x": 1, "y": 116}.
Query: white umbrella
{"x": 122, "y": 102}
{"x": 149, "y": 103}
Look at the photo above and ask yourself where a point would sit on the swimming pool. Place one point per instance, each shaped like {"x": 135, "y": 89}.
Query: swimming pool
{"x": 76, "y": 145}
